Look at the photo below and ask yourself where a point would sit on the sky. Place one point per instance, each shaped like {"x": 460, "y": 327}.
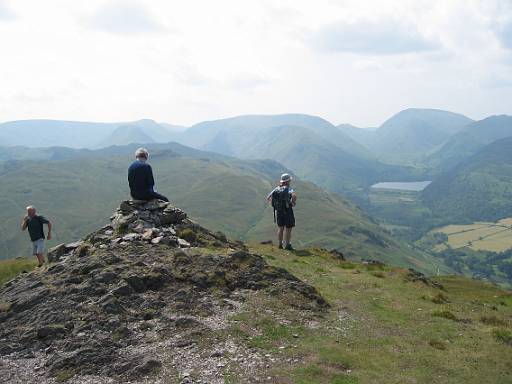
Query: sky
{"x": 182, "y": 62}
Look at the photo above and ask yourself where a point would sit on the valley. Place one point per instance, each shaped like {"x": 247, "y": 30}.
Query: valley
{"x": 389, "y": 179}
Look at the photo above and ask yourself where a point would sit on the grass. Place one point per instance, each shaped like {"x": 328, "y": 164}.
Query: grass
{"x": 503, "y": 335}
{"x": 11, "y": 268}
{"x": 383, "y": 330}
{"x": 440, "y": 298}
{"x": 493, "y": 320}
{"x": 63, "y": 375}
{"x": 437, "y": 344}
{"x": 445, "y": 314}
{"x": 188, "y": 235}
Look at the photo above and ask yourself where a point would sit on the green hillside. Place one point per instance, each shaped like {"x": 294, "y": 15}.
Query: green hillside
{"x": 414, "y": 132}
{"x": 364, "y": 136}
{"x": 383, "y": 325}
{"x": 78, "y": 194}
{"x": 408, "y": 136}
{"x": 478, "y": 189}
{"x": 470, "y": 140}
{"x": 386, "y": 328}
{"x": 234, "y": 136}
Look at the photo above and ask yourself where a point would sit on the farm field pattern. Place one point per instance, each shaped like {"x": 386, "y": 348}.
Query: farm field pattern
{"x": 496, "y": 237}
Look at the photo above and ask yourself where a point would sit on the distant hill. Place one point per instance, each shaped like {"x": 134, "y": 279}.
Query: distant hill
{"x": 75, "y": 134}
{"x": 470, "y": 140}
{"x": 478, "y": 189}
{"x": 226, "y": 194}
{"x": 312, "y": 147}
{"x": 234, "y": 135}
{"x": 410, "y": 135}
{"x": 364, "y": 136}
{"x": 127, "y": 134}
{"x": 47, "y": 133}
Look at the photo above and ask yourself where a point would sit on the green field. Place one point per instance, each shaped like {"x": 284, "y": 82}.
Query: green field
{"x": 495, "y": 237}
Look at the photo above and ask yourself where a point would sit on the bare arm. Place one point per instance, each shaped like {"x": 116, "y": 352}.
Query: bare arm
{"x": 49, "y": 231}
{"x": 294, "y": 199}
{"x": 24, "y": 223}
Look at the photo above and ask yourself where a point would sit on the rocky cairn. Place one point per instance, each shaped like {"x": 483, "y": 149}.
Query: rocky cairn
{"x": 143, "y": 298}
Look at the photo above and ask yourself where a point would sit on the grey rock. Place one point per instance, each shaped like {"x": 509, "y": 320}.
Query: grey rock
{"x": 136, "y": 283}
{"x": 183, "y": 243}
{"x": 172, "y": 215}
{"x": 131, "y": 237}
{"x": 148, "y": 234}
{"x": 55, "y": 253}
{"x": 51, "y": 331}
{"x": 122, "y": 290}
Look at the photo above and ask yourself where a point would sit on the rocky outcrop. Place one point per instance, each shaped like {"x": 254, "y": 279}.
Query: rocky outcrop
{"x": 151, "y": 278}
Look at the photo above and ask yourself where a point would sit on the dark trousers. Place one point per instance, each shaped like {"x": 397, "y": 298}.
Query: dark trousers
{"x": 149, "y": 195}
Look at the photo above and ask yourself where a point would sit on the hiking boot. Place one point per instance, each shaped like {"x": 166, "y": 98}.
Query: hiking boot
{"x": 289, "y": 247}
{"x": 280, "y": 246}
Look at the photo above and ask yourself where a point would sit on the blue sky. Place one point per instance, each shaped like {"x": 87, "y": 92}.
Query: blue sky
{"x": 182, "y": 62}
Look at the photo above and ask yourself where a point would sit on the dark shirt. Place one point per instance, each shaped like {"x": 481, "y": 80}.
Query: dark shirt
{"x": 140, "y": 178}
{"x": 35, "y": 227}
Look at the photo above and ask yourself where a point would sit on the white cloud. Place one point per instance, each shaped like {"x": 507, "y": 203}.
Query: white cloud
{"x": 383, "y": 37}
{"x": 6, "y": 13}
{"x": 190, "y": 76}
{"x": 504, "y": 34}
{"x": 247, "y": 81}
{"x": 186, "y": 61}
{"x": 123, "y": 17}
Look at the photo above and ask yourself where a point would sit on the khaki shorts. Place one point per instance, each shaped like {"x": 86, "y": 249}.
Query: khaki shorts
{"x": 38, "y": 247}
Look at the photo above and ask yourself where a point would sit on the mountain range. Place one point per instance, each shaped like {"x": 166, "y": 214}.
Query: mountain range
{"x": 75, "y": 134}
{"x": 415, "y": 144}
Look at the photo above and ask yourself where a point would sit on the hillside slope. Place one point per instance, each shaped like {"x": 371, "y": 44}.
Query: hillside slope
{"x": 224, "y": 193}
{"x": 478, "y": 189}
{"x": 470, "y": 140}
{"x": 127, "y": 134}
{"x": 364, "y": 136}
{"x": 312, "y": 147}
{"x": 413, "y": 133}
{"x": 233, "y": 136}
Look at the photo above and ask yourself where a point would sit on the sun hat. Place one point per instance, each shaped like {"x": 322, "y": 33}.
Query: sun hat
{"x": 285, "y": 178}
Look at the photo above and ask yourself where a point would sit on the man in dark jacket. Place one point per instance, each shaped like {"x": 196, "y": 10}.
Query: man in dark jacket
{"x": 34, "y": 223}
{"x": 140, "y": 178}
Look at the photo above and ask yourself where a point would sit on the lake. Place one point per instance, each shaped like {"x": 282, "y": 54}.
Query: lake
{"x": 415, "y": 186}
